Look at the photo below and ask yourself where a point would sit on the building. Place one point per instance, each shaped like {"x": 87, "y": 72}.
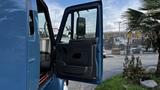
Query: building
{"x": 120, "y": 39}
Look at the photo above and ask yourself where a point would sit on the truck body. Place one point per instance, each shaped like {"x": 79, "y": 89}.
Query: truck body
{"x": 34, "y": 58}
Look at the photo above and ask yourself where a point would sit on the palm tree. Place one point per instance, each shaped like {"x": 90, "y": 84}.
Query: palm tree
{"x": 147, "y": 23}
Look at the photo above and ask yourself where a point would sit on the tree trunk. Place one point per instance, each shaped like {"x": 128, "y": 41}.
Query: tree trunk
{"x": 158, "y": 65}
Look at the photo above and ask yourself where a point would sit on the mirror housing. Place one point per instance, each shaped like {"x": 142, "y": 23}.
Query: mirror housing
{"x": 81, "y": 27}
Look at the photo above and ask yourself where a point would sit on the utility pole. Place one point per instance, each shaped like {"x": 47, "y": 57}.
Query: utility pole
{"x": 119, "y": 26}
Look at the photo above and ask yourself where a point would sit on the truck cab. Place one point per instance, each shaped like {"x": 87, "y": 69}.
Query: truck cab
{"x": 33, "y": 57}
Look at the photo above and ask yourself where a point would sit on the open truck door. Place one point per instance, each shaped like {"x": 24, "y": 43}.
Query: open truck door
{"x": 79, "y": 43}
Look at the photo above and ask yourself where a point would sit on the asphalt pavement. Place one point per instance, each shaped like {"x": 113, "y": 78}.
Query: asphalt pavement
{"x": 113, "y": 65}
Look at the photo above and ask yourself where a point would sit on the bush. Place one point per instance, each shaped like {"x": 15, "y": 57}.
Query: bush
{"x": 133, "y": 69}
{"x": 119, "y": 83}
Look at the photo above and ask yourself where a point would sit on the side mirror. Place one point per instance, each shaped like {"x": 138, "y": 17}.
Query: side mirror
{"x": 81, "y": 27}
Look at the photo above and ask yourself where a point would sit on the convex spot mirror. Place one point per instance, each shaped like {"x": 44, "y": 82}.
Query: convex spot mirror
{"x": 81, "y": 27}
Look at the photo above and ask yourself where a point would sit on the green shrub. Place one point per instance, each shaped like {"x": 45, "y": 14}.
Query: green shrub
{"x": 132, "y": 69}
{"x": 118, "y": 82}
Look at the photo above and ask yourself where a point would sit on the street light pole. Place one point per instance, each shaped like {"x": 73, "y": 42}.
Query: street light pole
{"x": 119, "y": 28}
{"x": 119, "y": 25}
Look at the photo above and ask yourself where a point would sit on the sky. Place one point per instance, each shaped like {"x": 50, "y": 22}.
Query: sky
{"x": 112, "y": 11}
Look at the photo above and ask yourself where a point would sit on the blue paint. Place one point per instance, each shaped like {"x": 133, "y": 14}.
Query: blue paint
{"x": 53, "y": 84}
{"x": 13, "y": 46}
{"x": 20, "y": 51}
{"x": 33, "y": 55}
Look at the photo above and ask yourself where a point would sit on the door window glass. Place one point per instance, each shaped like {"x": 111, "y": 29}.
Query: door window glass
{"x": 67, "y": 31}
{"x": 90, "y": 17}
{"x": 43, "y": 29}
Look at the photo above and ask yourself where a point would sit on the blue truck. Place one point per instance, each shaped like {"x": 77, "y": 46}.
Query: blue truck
{"x": 33, "y": 57}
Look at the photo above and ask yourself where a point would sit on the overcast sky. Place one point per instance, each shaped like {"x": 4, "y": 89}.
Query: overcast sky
{"x": 113, "y": 10}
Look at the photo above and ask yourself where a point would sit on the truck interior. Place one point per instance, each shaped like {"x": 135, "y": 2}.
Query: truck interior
{"x": 46, "y": 42}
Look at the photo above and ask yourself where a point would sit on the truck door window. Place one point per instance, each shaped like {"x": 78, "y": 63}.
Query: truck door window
{"x": 90, "y": 18}
{"x": 43, "y": 29}
{"x": 44, "y": 34}
{"x": 67, "y": 31}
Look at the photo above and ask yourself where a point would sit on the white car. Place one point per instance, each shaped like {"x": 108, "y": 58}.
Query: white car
{"x": 104, "y": 53}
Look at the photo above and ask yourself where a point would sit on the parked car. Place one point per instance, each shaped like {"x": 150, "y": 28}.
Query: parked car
{"x": 149, "y": 50}
{"x": 104, "y": 53}
{"x": 136, "y": 50}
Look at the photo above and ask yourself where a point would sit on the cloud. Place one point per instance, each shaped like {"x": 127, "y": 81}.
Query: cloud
{"x": 56, "y": 12}
{"x": 112, "y": 12}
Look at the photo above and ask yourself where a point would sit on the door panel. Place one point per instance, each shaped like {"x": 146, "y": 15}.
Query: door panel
{"x": 77, "y": 59}
{"x": 79, "y": 43}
